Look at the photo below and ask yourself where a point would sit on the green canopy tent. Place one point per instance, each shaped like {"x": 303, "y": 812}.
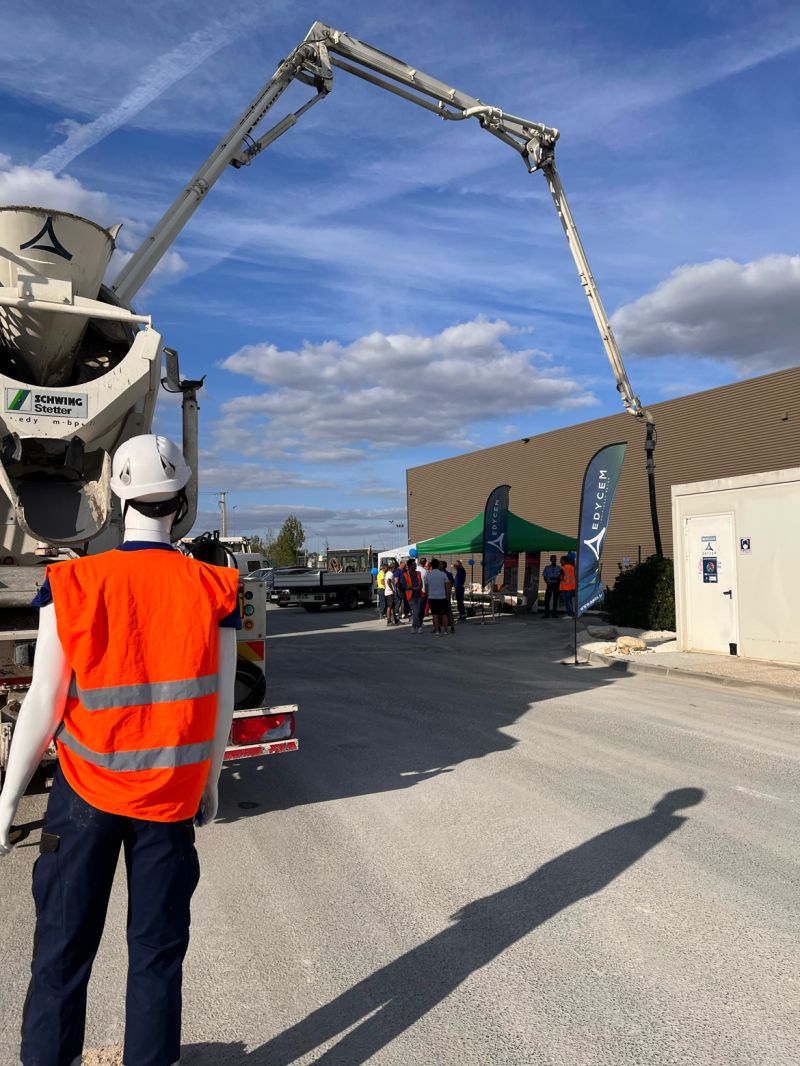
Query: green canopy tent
{"x": 522, "y": 537}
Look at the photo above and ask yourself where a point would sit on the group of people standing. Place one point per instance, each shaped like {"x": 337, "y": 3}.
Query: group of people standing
{"x": 413, "y": 588}
{"x": 559, "y": 587}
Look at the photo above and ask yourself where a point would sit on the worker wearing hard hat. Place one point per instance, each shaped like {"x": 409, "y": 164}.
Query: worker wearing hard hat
{"x": 133, "y": 675}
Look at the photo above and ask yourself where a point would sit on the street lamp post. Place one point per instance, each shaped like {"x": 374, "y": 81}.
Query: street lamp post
{"x": 223, "y": 514}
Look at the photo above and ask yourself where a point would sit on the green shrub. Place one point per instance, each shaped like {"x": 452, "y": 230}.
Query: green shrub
{"x": 643, "y": 597}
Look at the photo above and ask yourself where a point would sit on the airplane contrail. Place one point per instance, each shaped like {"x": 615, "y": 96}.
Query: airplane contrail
{"x": 168, "y": 69}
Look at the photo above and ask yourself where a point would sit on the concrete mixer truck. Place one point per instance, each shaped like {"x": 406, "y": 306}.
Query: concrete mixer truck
{"x": 79, "y": 374}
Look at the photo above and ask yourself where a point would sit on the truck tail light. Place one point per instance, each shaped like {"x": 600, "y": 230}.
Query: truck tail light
{"x": 260, "y": 728}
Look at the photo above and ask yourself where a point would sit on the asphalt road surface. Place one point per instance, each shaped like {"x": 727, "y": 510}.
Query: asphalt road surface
{"x": 480, "y": 856}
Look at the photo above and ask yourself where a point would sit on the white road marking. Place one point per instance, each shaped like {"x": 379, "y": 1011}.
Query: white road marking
{"x": 759, "y": 795}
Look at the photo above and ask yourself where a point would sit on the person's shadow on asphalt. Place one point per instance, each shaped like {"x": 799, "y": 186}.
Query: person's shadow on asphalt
{"x": 393, "y": 998}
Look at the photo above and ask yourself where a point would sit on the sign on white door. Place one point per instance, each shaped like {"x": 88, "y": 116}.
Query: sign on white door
{"x": 712, "y": 621}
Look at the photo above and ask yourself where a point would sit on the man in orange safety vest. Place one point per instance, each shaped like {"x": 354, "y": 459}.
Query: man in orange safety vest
{"x": 412, "y": 582}
{"x": 567, "y": 585}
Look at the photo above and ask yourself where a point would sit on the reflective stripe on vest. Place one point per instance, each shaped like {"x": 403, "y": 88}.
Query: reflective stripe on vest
{"x": 140, "y": 631}
{"x": 101, "y": 699}
{"x": 143, "y": 759}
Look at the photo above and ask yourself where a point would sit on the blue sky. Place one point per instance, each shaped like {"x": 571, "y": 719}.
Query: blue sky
{"x": 381, "y": 289}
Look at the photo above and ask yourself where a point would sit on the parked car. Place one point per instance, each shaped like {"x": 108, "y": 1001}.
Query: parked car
{"x": 265, "y": 573}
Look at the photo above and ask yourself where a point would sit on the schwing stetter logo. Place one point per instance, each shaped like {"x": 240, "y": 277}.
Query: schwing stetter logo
{"x": 48, "y": 404}
{"x": 18, "y": 399}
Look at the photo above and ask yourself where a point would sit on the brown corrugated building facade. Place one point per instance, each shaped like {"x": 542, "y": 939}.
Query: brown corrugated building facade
{"x": 744, "y": 428}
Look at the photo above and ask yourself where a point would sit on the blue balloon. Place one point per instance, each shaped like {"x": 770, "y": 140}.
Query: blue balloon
{"x": 412, "y": 552}
{"x": 374, "y": 571}
{"x": 471, "y": 562}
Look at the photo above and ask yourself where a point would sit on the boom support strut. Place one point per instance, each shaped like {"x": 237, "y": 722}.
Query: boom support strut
{"x": 312, "y": 63}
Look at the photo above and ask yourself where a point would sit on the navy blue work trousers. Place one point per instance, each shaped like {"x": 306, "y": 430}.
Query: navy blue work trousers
{"x": 462, "y": 612}
{"x": 72, "y": 882}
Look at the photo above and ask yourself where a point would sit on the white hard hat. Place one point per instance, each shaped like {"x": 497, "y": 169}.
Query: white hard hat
{"x": 148, "y": 466}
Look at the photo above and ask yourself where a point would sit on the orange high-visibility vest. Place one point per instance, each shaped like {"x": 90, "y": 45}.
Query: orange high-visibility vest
{"x": 567, "y": 583}
{"x": 411, "y": 585}
{"x": 140, "y": 631}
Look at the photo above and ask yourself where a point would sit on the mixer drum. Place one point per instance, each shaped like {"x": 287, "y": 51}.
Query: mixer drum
{"x": 55, "y": 256}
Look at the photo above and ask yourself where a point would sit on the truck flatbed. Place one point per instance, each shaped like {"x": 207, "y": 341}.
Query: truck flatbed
{"x": 314, "y": 589}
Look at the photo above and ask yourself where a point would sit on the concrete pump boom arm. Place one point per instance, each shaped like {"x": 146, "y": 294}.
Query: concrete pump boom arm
{"x": 312, "y": 63}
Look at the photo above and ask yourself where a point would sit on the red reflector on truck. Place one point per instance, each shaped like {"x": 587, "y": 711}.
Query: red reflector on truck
{"x": 273, "y": 747}
{"x": 257, "y": 729}
{"x": 242, "y": 753}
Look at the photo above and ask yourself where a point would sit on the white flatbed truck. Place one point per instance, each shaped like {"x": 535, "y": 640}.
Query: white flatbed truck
{"x": 314, "y": 589}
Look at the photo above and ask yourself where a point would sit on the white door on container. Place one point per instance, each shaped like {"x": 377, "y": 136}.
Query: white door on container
{"x": 713, "y": 621}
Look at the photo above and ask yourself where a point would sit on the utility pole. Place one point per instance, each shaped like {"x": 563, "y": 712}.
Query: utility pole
{"x": 223, "y": 514}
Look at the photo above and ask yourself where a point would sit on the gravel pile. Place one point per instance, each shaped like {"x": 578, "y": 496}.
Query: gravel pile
{"x": 102, "y": 1056}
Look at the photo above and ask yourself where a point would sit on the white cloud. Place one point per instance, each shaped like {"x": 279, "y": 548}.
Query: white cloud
{"x": 377, "y": 489}
{"x": 170, "y": 265}
{"x": 398, "y": 389}
{"x": 246, "y": 439}
{"x": 243, "y": 477}
{"x": 22, "y": 185}
{"x": 339, "y": 526}
{"x": 595, "y": 82}
{"x": 169, "y": 68}
{"x": 25, "y": 186}
{"x": 747, "y": 314}
{"x": 329, "y": 455}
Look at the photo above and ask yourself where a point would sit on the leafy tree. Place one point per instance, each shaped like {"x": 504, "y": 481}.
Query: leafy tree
{"x": 264, "y": 545}
{"x": 288, "y": 543}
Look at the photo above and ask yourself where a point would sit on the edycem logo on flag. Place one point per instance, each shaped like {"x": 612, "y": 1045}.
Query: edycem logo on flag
{"x": 495, "y": 532}
{"x": 599, "y": 487}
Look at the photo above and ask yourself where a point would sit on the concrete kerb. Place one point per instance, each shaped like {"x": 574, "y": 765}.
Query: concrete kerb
{"x": 698, "y": 676}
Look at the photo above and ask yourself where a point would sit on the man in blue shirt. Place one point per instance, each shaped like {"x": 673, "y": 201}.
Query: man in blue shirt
{"x": 460, "y": 581}
{"x": 552, "y": 584}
